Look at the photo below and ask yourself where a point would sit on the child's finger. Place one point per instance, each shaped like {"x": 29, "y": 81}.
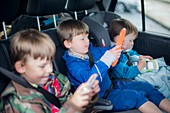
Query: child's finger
{"x": 91, "y": 77}
{"x": 95, "y": 83}
{"x": 117, "y": 47}
{"x": 80, "y": 88}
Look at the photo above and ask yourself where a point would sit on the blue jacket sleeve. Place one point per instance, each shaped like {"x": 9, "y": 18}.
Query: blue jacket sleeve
{"x": 121, "y": 70}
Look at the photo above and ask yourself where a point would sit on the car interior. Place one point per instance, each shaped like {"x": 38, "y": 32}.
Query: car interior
{"x": 41, "y": 10}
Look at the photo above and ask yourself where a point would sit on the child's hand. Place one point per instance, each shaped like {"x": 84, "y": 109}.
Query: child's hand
{"x": 95, "y": 86}
{"x": 141, "y": 64}
{"x": 80, "y": 98}
{"x": 145, "y": 57}
{"x": 116, "y": 51}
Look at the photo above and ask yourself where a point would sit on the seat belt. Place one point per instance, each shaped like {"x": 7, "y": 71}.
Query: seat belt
{"x": 91, "y": 60}
{"x": 20, "y": 80}
{"x": 129, "y": 62}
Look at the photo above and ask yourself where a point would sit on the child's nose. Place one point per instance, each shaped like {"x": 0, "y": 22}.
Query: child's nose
{"x": 87, "y": 40}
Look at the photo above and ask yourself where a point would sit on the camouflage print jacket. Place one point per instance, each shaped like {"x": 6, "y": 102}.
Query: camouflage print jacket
{"x": 18, "y": 99}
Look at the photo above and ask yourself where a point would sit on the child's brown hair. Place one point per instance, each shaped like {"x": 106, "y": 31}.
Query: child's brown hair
{"x": 70, "y": 28}
{"x": 31, "y": 43}
{"x": 118, "y": 24}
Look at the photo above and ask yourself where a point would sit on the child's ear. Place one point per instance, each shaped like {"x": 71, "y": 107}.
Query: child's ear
{"x": 19, "y": 67}
{"x": 67, "y": 44}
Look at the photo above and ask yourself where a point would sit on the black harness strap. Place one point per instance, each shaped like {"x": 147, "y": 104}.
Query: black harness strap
{"x": 91, "y": 60}
{"x": 6, "y": 54}
{"x": 129, "y": 62}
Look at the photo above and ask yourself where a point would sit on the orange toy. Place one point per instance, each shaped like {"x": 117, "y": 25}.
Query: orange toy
{"x": 120, "y": 42}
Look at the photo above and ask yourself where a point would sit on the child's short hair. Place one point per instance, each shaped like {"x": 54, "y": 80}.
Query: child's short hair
{"x": 31, "y": 43}
{"x": 118, "y": 24}
{"x": 70, "y": 28}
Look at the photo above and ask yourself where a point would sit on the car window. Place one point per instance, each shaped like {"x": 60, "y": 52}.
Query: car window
{"x": 156, "y": 14}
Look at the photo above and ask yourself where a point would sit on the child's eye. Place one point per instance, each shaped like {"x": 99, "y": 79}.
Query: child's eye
{"x": 42, "y": 66}
{"x": 82, "y": 38}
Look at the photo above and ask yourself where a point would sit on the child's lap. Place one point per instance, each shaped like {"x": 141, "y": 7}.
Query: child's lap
{"x": 126, "y": 99}
{"x": 128, "y": 95}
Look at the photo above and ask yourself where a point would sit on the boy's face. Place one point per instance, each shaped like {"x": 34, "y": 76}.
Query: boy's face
{"x": 37, "y": 71}
{"x": 79, "y": 44}
{"x": 129, "y": 41}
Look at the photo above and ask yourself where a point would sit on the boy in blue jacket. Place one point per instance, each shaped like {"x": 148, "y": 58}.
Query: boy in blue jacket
{"x": 73, "y": 35}
{"x": 124, "y": 68}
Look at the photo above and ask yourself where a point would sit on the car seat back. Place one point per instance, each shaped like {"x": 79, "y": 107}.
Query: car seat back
{"x": 98, "y": 24}
{"x": 5, "y": 62}
{"x": 79, "y": 8}
{"x": 49, "y": 7}
{"x": 45, "y": 7}
{"x": 59, "y": 62}
{"x": 42, "y": 8}
{"x": 104, "y": 17}
{"x": 8, "y": 13}
{"x": 98, "y": 34}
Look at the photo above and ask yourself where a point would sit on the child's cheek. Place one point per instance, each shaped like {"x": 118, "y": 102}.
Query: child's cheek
{"x": 124, "y": 47}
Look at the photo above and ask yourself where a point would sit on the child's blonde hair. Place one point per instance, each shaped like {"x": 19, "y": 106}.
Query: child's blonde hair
{"x": 70, "y": 28}
{"x": 118, "y": 24}
{"x": 31, "y": 43}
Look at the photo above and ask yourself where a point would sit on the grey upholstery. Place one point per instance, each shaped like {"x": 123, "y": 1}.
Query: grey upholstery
{"x": 104, "y": 17}
{"x": 97, "y": 31}
{"x": 98, "y": 24}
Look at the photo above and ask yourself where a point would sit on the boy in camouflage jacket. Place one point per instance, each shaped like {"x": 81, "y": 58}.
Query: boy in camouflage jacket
{"x": 32, "y": 54}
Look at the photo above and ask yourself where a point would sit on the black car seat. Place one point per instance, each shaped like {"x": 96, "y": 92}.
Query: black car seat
{"x": 40, "y": 8}
{"x": 5, "y": 62}
{"x": 8, "y": 13}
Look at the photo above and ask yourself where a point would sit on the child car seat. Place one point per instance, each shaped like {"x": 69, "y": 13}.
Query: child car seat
{"x": 8, "y": 13}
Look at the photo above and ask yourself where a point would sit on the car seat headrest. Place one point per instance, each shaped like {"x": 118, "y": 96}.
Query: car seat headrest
{"x": 104, "y": 18}
{"x": 80, "y": 5}
{"x": 45, "y": 7}
{"x": 97, "y": 32}
{"x": 8, "y": 12}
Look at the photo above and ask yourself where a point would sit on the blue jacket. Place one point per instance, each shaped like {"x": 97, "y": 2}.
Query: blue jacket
{"x": 79, "y": 69}
{"x": 122, "y": 70}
